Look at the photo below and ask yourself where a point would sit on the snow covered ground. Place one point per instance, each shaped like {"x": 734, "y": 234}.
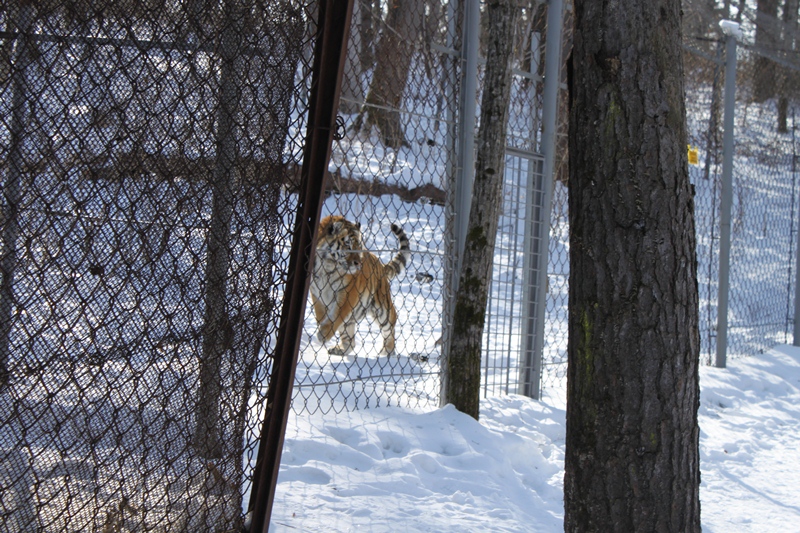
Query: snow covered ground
{"x": 392, "y": 469}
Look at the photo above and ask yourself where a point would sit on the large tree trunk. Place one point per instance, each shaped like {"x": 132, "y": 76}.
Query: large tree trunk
{"x": 369, "y": 17}
{"x": 352, "y": 97}
{"x": 632, "y": 395}
{"x": 396, "y": 48}
{"x": 464, "y": 358}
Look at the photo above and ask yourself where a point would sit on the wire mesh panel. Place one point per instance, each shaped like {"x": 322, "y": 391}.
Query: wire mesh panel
{"x": 511, "y": 315}
{"x": 765, "y": 188}
{"x": 504, "y": 330}
{"x": 554, "y": 357}
{"x": 392, "y": 166}
{"x": 146, "y": 152}
{"x": 704, "y": 68}
{"x": 764, "y": 213}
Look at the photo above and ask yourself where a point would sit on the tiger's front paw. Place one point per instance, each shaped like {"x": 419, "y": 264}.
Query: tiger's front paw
{"x": 340, "y": 350}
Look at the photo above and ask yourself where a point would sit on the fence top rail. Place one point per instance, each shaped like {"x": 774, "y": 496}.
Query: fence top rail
{"x": 696, "y": 51}
{"x": 482, "y": 61}
{"x": 524, "y": 154}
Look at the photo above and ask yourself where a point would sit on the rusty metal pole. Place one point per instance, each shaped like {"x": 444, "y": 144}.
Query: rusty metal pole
{"x": 329, "y": 58}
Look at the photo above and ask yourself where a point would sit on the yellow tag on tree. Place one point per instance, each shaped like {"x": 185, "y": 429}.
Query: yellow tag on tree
{"x": 694, "y": 157}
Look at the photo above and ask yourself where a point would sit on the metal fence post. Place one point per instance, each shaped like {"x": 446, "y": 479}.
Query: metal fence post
{"x": 466, "y": 140}
{"x": 465, "y": 163}
{"x": 732, "y": 32}
{"x": 796, "y": 329}
{"x": 23, "y": 55}
{"x": 538, "y": 227}
{"x": 329, "y": 56}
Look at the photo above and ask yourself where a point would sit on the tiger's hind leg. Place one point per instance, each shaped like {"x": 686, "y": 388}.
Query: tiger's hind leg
{"x": 386, "y": 316}
{"x": 387, "y": 331}
{"x": 346, "y": 340}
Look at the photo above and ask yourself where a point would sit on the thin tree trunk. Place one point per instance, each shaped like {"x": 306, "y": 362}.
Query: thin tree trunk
{"x": 632, "y": 458}
{"x": 370, "y": 11}
{"x": 464, "y": 358}
{"x": 787, "y": 77}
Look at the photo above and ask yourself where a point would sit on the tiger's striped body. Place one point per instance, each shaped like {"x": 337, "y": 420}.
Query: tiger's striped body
{"x": 349, "y": 282}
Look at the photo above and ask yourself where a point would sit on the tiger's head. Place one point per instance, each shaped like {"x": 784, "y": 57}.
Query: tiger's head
{"x": 339, "y": 244}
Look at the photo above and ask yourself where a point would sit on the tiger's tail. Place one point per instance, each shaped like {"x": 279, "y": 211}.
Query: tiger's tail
{"x": 398, "y": 264}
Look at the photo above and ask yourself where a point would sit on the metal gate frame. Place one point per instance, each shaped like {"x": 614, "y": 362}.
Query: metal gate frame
{"x": 329, "y": 58}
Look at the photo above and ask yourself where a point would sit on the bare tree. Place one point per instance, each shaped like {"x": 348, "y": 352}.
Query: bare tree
{"x": 352, "y": 90}
{"x": 401, "y": 31}
{"x": 632, "y": 457}
{"x": 368, "y": 23}
{"x": 464, "y": 357}
{"x": 764, "y": 71}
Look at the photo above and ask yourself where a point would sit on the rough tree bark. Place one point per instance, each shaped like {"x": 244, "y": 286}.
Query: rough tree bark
{"x": 632, "y": 396}
{"x": 401, "y": 31}
{"x": 464, "y": 358}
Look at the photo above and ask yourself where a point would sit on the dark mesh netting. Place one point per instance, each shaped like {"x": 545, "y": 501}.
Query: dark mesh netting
{"x": 148, "y": 151}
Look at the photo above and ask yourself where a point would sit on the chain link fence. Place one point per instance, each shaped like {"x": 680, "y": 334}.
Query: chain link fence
{"x": 507, "y": 336}
{"x": 402, "y": 108}
{"x": 704, "y": 62}
{"x": 393, "y": 165}
{"x": 554, "y": 357}
{"x": 765, "y": 174}
{"x": 766, "y": 186}
{"x": 554, "y": 354}
{"x": 504, "y": 330}
{"x": 150, "y": 159}
{"x": 148, "y": 151}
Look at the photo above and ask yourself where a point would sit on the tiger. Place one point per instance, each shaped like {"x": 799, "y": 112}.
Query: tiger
{"x": 348, "y": 282}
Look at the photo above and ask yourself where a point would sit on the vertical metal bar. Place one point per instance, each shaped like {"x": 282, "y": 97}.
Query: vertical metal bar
{"x": 731, "y": 30}
{"x": 329, "y": 58}
{"x": 527, "y": 328}
{"x": 796, "y": 329}
{"x": 450, "y": 208}
{"x": 465, "y": 166}
{"x": 515, "y": 178}
{"x": 23, "y": 55}
{"x": 531, "y": 369}
{"x": 467, "y": 131}
{"x": 792, "y": 236}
